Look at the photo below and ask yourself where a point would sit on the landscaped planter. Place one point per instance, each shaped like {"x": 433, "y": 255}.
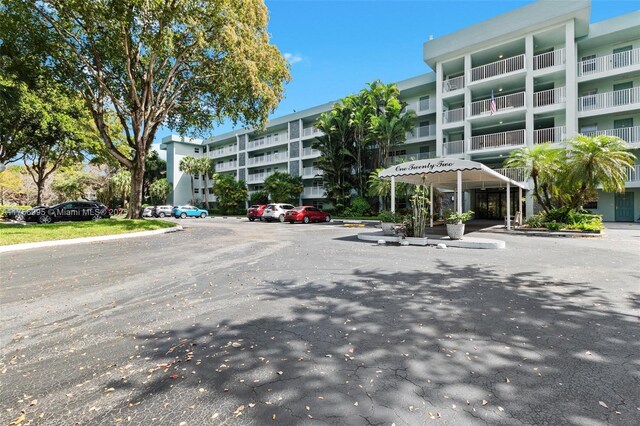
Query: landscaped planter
{"x": 388, "y": 228}
{"x": 455, "y": 231}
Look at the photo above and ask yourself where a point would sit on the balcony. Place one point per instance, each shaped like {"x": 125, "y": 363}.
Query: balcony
{"x": 310, "y": 152}
{"x": 312, "y": 172}
{"x": 453, "y": 84}
{"x": 550, "y": 59}
{"x": 518, "y": 174}
{"x": 225, "y": 167}
{"x": 266, "y": 141}
{"x": 453, "y": 148}
{"x": 266, "y": 159}
{"x": 453, "y": 116}
{"x": 313, "y": 192}
{"x": 615, "y": 63}
{"x": 616, "y": 101}
{"x": 494, "y": 69}
{"x": 422, "y": 106}
{"x": 422, "y": 132}
{"x": 397, "y": 159}
{"x": 497, "y": 140}
{"x": 258, "y": 177}
{"x": 503, "y": 104}
{"x": 633, "y": 175}
{"x": 631, "y": 135}
{"x": 544, "y": 98}
{"x": 551, "y": 134}
{"x": 225, "y": 150}
{"x": 311, "y": 131}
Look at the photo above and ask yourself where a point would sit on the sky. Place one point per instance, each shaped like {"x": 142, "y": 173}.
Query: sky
{"x": 334, "y": 47}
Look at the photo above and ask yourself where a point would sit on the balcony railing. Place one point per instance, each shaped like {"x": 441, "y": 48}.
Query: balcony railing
{"x": 506, "y": 102}
{"x": 627, "y": 134}
{"x": 310, "y": 152}
{"x": 609, "y": 62}
{"x": 223, "y": 167}
{"x": 453, "y": 116}
{"x": 551, "y": 134}
{"x": 609, "y": 99}
{"x": 550, "y": 97}
{"x": 422, "y": 132}
{"x": 503, "y": 66}
{"x": 265, "y": 141}
{"x": 225, "y": 150}
{"x": 518, "y": 174}
{"x": 633, "y": 175}
{"x": 311, "y": 131}
{"x": 497, "y": 140}
{"x": 397, "y": 159}
{"x": 258, "y": 177}
{"x": 312, "y": 172}
{"x": 453, "y": 84}
{"x": 314, "y": 191}
{"x": 550, "y": 59}
{"x": 264, "y": 159}
{"x": 453, "y": 148}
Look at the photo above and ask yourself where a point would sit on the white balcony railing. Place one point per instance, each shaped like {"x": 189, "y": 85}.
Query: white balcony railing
{"x": 258, "y": 177}
{"x": 453, "y": 84}
{"x": 627, "y": 134}
{"x": 310, "y": 152}
{"x": 264, "y": 159}
{"x": 308, "y": 172}
{"x": 311, "y": 131}
{"x": 225, "y": 150}
{"x": 518, "y": 174}
{"x": 503, "y": 66}
{"x": 453, "y": 116}
{"x": 609, "y": 99}
{"x": 397, "y": 159}
{"x": 497, "y": 140}
{"x": 453, "y": 148}
{"x": 428, "y": 104}
{"x": 314, "y": 191}
{"x": 550, "y": 59}
{"x": 609, "y": 62}
{"x": 550, "y": 97}
{"x": 551, "y": 134}
{"x": 265, "y": 141}
{"x": 422, "y": 132}
{"x": 224, "y": 167}
{"x": 633, "y": 175}
{"x": 506, "y": 102}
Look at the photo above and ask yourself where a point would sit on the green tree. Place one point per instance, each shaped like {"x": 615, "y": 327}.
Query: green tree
{"x": 231, "y": 194}
{"x": 12, "y": 189}
{"x": 378, "y": 187}
{"x": 181, "y": 63}
{"x": 189, "y": 166}
{"x": 71, "y": 183}
{"x": 259, "y": 197}
{"x": 206, "y": 167}
{"x": 155, "y": 168}
{"x": 284, "y": 188}
{"x": 160, "y": 190}
{"x": 121, "y": 184}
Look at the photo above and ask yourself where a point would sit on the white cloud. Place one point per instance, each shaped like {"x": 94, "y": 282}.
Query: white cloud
{"x": 292, "y": 58}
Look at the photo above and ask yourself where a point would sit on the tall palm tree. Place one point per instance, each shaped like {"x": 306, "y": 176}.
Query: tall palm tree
{"x": 378, "y": 187}
{"x": 206, "y": 167}
{"x": 189, "y": 166}
{"x": 360, "y": 121}
{"x": 593, "y": 161}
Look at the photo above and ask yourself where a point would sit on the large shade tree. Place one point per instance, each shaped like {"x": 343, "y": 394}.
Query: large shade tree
{"x": 184, "y": 63}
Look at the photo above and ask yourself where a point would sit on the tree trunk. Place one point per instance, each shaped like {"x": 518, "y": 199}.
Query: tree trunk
{"x": 137, "y": 181}
{"x": 206, "y": 191}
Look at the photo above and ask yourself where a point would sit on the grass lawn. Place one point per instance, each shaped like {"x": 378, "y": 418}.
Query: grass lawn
{"x": 16, "y": 234}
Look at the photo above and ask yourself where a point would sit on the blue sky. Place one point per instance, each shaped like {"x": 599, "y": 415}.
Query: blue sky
{"x": 336, "y": 46}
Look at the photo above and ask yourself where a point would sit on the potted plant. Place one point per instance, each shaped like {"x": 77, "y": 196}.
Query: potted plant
{"x": 389, "y": 222}
{"x": 455, "y": 223}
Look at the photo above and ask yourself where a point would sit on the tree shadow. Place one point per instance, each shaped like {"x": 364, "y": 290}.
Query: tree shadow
{"x": 458, "y": 343}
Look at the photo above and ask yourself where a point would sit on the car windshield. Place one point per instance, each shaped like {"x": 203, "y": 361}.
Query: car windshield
{"x": 271, "y": 206}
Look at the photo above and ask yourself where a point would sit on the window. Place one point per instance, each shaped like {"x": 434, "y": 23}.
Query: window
{"x": 424, "y": 103}
{"x": 196, "y": 176}
{"x": 210, "y": 190}
{"x": 588, "y": 64}
{"x": 588, "y": 129}
{"x": 196, "y": 150}
{"x": 622, "y": 56}
{"x": 623, "y": 123}
{"x": 622, "y": 93}
{"x": 196, "y": 190}
{"x": 204, "y": 149}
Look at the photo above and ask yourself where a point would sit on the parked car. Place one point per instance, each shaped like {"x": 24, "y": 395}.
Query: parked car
{"x": 162, "y": 211}
{"x": 306, "y": 214}
{"x": 188, "y": 211}
{"x": 255, "y": 212}
{"x": 275, "y": 211}
{"x": 147, "y": 211}
{"x": 70, "y": 210}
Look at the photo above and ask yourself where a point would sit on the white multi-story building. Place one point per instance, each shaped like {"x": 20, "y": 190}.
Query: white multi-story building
{"x": 551, "y": 73}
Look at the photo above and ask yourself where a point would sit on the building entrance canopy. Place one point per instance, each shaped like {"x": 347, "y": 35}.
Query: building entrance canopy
{"x": 451, "y": 174}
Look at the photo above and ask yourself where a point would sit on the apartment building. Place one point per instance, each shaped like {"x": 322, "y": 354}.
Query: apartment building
{"x": 541, "y": 73}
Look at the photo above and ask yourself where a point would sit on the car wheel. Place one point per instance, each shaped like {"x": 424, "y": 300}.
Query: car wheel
{"x": 44, "y": 219}
{"x": 306, "y": 219}
{"x": 96, "y": 217}
{"x": 183, "y": 215}
{"x": 328, "y": 218}
{"x": 281, "y": 217}
{"x": 160, "y": 215}
{"x": 251, "y": 219}
{"x": 203, "y": 215}
{"x": 261, "y": 219}
{"x": 292, "y": 222}
{"x": 19, "y": 217}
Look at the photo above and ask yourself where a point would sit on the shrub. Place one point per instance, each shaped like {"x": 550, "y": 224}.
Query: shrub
{"x": 8, "y": 212}
{"x": 259, "y": 197}
{"x": 389, "y": 217}
{"x": 359, "y": 207}
{"x": 453, "y": 218}
{"x": 554, "y": 226}
{"x": 536, "y": 221}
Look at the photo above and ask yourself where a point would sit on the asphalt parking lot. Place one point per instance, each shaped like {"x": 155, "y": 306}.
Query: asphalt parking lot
{"x": 237, "y": 322}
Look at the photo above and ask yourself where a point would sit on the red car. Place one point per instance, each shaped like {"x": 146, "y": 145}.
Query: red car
{"x": 306, "y": 214}
{"x": 255, "y": 212}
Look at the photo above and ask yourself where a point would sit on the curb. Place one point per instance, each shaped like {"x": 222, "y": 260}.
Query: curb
{"x": 56, "y": 243}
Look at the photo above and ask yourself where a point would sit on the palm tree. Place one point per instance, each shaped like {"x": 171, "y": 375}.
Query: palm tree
{"x": 121, "y": 183}
{"x": 206, "y": 167}
{"x": 378, "y": 187}
{"x": 593, "y": 161}
{"x": 360, "y": 121}
{"x": 189, "y": 166}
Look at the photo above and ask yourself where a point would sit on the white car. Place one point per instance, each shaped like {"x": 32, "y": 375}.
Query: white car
{"x": 276, "y": 211}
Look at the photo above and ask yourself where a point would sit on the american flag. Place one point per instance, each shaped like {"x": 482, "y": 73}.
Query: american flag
{"x": 492, "y": 105}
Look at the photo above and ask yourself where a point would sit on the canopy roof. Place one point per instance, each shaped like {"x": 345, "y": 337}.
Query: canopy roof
{"x": 443, "y": 174}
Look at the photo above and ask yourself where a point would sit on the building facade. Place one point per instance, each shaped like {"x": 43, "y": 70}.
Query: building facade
{"x": 541, "y": 73}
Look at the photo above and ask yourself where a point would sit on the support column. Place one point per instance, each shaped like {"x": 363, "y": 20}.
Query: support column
{"x": 439, "y": 110}
{"x": 393, "y": 194}
{"x": 466, "y": 137}
{"x": 529, "y": 90}
{"x": 520, "y": 206}
{"x": 459, "y": 192}
{"x": 508, "y": 206}
{"x": 571, "y": 80}
{"x": 431, "y": 205}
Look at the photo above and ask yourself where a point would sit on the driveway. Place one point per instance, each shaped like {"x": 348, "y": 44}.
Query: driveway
{"x": 237, "y": 322}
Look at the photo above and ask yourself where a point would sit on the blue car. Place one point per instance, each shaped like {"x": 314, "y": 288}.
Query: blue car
{"x": 188, "y": 211}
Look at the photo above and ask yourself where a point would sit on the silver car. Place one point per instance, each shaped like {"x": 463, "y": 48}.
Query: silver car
{"x": 275, "y": 211}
